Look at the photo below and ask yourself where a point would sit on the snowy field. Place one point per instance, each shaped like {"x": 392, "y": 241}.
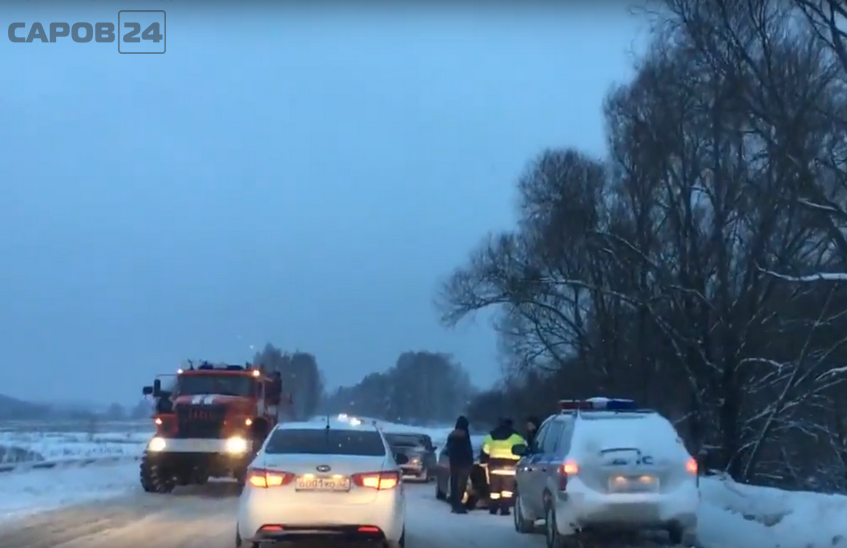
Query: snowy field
{"x": 732, "y": 515}
{"x": 26, "y": 442}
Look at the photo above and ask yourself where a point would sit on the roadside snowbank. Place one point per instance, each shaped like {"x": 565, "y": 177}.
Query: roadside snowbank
{"x": 744, "y": 516}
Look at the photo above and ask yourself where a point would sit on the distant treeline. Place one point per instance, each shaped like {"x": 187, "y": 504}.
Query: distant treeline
{"x": 16, "y": 409}
{"x": 420, "y": 388}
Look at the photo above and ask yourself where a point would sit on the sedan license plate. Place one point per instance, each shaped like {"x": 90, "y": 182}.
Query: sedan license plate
{"x": 634, "y": 484}
{"x": 322, "y": 483}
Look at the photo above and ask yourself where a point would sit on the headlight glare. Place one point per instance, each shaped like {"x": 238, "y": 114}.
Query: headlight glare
{"x": 236, "y": 445}
{"x": 156, "y": 444}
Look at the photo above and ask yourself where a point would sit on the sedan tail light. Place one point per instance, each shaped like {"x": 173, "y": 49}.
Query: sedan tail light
{"x": 377, "y": 480}
{"x": 263, "y": 478}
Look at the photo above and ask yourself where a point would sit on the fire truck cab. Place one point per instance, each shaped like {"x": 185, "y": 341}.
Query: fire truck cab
{"x": 209, "y": 423}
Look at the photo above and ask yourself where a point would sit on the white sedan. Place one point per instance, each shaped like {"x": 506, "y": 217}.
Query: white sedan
{"x": 329, "y": 481}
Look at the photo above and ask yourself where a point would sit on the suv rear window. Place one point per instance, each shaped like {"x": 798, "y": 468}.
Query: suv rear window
{"x": 650, "y": 432}
{"x": 323, "y": 441}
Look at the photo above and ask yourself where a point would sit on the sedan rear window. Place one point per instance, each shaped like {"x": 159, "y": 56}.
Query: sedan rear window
{"x": 325, "y": 441}
{"x": 406, "y": 440}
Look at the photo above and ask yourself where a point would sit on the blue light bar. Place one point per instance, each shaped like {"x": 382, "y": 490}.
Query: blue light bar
{"x": 598, "y": 404}
{"x": 621, "y": 405}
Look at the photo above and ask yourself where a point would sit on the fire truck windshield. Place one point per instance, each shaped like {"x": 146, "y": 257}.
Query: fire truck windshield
{"x": 224, "y": 385}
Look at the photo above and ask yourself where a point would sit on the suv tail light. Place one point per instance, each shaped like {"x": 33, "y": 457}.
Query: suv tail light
{"x": 568, "y": 468}
{"x": 691, "y": 466}
{"x": 377, "y": 480}
{"x": 262, "y": 478}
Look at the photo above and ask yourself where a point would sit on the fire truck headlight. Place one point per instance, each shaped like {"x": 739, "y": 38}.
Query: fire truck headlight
{"x": 156, "y": 444}
{"x": 236, "y": 445}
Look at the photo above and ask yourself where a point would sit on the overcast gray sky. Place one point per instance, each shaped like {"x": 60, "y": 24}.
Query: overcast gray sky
{"x": 303, "y": 179}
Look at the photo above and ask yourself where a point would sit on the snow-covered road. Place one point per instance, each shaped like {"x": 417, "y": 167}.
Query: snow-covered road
{"x": 205, "y": 518}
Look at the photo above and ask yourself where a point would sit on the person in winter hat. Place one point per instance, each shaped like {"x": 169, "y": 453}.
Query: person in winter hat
{"x": 460, "y": 453}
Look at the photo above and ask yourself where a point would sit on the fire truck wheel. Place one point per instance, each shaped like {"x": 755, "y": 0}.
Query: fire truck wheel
{"x": 200, "y": 477}
{"x": 241, "y": 479}
{"x": 152, "y": 479}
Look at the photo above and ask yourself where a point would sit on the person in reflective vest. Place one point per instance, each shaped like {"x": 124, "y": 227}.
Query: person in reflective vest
{"x": 496, "y": 454}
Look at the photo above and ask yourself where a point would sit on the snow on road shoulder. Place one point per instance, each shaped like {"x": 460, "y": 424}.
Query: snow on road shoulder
{"x": 35, "y": 491}
{"x": 748, "y": 516}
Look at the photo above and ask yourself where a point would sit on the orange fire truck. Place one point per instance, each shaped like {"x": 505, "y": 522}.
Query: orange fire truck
{"x": 210, "y": 421}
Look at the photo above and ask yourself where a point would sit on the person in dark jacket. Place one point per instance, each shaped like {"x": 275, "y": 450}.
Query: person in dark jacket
{"x": 497, "y": 454}
{"x": 460, "y": 453}
{"x": 532, "y": 426}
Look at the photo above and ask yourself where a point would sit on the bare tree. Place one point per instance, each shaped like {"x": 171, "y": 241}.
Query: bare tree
{"x": 301, "y": 377}
{"x": 829, "y": 21}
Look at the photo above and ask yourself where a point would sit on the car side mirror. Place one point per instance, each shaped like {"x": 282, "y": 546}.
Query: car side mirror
{"x": 520, "y": 449}
{"x": 147, "y": 391}
{"x": 401, "y": 459}
{"x": 157, "y": 388}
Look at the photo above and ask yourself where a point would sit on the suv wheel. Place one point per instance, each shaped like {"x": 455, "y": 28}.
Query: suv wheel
{"x": 522, "y": 525}
{"x": 682, "y": 537}
{"x": 551, "y": 530}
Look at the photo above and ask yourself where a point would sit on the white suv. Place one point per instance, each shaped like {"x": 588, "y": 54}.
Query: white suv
{"x": 323, "y": 481}
{"x": 605, "y": 465}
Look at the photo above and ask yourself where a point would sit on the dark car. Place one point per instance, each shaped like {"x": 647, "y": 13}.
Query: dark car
{"x": 476, "y": 494}
{"x": 420, "y": 452}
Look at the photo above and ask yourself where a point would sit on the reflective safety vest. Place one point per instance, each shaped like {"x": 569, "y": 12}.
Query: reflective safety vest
{"x": 502, "y": 449}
